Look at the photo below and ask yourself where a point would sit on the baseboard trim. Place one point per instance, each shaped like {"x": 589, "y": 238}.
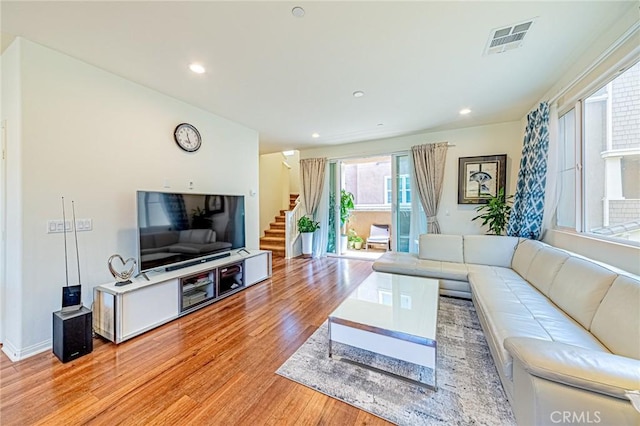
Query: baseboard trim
{"x": 15, "y": 354}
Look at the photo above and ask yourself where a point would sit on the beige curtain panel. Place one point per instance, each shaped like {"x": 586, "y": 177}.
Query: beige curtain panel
{"x": 312, "y": 177}
{"x": 428, "y": 163}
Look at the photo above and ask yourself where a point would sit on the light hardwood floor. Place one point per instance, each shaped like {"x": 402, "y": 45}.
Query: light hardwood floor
{"x": 215, "y": 366}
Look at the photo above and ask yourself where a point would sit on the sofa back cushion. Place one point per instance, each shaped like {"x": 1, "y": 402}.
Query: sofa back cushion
{"x": 544, "y": 268}
{"x": 617, "y": 321}
{"x": 492, "y": 250}
{"x": 147, "y": 241}
{"x": 579, "y": 287}
{"x": 524, "y": 255}
{"x": 196, "y": 236}
{"x": 166, "y": 238}
{"x": 445, "y": 248}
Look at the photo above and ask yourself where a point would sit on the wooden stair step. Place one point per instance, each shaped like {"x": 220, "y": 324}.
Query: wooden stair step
{"x": 277, "y": 225}
{"x": 275, "y": 240}
{"x": 275, "y": 252}
{"x": 280, "y": 219}
{"x": 279, "y": 232}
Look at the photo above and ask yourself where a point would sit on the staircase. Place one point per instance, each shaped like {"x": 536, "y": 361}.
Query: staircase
{"x": 274, "y": 238}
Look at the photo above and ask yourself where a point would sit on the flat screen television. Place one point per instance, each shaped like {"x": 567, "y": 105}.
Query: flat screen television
{"x": 176, "y": 230}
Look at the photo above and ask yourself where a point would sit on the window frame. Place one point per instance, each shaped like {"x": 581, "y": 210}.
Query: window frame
{"x": 579, "y": 148}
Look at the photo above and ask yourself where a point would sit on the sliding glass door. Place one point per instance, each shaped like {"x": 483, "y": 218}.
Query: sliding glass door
{"x": 381, "y": 187}
{"x": 401, "y": 208}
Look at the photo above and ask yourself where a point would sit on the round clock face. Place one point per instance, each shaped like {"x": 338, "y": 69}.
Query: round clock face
{"x": 187, "y": 137}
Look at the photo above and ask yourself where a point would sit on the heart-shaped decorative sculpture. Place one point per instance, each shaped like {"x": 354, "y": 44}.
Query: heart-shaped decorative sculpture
{"x": 125, "y": 273}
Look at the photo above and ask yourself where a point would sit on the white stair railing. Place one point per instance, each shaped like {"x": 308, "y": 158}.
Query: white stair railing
{"x": 291, "y": 228}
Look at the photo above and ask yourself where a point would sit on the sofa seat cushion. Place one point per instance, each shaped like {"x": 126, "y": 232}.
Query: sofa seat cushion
{"x": 153, "y": 250}
{"x": 185, "y": 248}
{"x": 409, "y": 264}
{"x": 452, "y": 276}
{"x": 396, "y": 263}
{"x": 197, "y": 249}
{"x": 512, "y": 308}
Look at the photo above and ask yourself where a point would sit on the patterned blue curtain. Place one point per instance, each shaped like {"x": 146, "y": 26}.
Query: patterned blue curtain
{"x": 528, "y": 205}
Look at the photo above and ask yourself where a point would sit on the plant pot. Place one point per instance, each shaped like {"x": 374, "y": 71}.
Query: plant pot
{"x": 344, "y": 243}
{"x": 357, "y": 245}
{"x": 307, "y": 243}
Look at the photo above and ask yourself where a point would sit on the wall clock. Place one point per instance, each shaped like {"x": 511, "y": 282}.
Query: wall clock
{"x": 187, "y": 137}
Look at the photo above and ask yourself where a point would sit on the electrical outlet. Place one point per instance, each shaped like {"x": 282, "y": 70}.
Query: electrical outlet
{"x": 52, "y": 226}
{"x": 56, "y": 226}
{"x": 84, "y": 225}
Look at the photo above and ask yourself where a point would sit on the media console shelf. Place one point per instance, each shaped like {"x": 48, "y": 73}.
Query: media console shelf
{"x": 120, "y": 313}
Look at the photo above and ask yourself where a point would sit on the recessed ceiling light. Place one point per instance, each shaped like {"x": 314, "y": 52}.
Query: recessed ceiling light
{"x": 315, "y": 135}
{"x": 465, "y": 111}
{"x": 380, "y": 124}
{"x": 197, "y": 68}
{"x": 298, "y": 12}
{"x": 358, "y": 94}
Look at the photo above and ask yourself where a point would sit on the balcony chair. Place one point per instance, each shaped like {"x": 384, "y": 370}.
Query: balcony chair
{"x": 379, "y": 234}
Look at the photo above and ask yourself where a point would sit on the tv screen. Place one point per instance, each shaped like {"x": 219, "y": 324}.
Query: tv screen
{"x": 175, "y": 229}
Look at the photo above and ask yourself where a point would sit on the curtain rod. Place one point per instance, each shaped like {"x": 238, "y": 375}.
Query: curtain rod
{"x": 599, "y": 60}
{"x": 383, "y": 154}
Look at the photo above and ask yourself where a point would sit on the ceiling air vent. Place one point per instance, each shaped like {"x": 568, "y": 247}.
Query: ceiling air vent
{"x": 507, "y": 38}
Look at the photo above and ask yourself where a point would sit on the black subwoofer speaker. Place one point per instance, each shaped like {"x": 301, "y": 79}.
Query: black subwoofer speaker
{"x": 72, "y": 334}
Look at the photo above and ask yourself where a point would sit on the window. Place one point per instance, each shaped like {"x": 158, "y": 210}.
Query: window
{"x": 404, "y": 189}
{"x": 599, "y": 173}
{"x": 151, "y": 211}
{"x": 566, "y": 216}
{"x": 366, "y": 178}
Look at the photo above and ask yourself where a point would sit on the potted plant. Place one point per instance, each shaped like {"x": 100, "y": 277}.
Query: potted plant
{"x": 495, "y": 212}
{"x": 307, "y": 227}
{"x": 351, "y": 236}
{"x": 346, "y": 205}
{"x": 357, "y": 242}
{"x": 199, "y": 218}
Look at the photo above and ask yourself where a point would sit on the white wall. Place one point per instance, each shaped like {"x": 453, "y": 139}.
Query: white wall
{"x": 10, "y": 277}
{"x": 454, "y": 218}
{"x": 274, "y": 186}
{"x": 277, "y": 182}
{"x": 294, "y": 173}
{"x": 96, "y": 138}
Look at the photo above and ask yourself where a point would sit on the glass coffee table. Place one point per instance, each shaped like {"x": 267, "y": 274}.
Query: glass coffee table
{"x": 392, "y": 315}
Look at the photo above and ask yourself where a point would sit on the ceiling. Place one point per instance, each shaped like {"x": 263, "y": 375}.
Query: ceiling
{"x": 418, "y": 63}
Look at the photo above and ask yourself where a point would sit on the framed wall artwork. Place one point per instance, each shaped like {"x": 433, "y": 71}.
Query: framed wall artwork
{"x": 214, "y": 204}
{"x": 480, "y": 178}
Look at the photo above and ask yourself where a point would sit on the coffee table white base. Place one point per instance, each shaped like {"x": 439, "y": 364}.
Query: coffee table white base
{"x": 405, "y": 332}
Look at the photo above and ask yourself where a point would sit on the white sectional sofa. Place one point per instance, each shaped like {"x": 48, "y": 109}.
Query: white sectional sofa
{"x": 563, "y": 330}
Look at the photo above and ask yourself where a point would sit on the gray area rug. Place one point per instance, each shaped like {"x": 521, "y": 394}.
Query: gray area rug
{"x": 469, "y": 389}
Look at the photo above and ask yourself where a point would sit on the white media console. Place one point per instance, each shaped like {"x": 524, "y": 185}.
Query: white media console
{"x": 120, "y": 313}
